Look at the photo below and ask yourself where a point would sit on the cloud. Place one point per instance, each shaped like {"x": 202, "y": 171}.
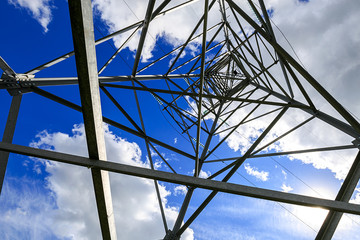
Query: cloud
{"x": 180, "y": 190}
{"x": 318, "y": 31}
{"x": 261, "y": 175}
{"x": 136, "y": 209}
{"x": 25, "y": 209}
{"x": 202, "y": 174}
{"x": 40, "y": 10}
{"x": 286, "y": 188}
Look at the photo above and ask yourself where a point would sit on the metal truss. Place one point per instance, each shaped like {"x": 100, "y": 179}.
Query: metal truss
{"x": 240, "y": 67}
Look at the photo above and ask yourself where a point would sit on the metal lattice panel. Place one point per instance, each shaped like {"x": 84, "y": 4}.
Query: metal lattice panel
{"x": 239, "y": 78}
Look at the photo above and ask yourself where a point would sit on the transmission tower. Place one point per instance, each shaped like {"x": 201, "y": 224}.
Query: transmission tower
{"x": 241, "y": 71}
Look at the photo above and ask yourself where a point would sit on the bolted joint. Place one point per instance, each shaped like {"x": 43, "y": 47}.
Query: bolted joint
{"x": 16, "y": 84}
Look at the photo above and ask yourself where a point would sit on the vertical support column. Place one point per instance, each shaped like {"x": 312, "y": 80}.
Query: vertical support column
{"x": 202, "y": 79}
{"x": 8, "y": 135}
{"x": 85, "y": 56}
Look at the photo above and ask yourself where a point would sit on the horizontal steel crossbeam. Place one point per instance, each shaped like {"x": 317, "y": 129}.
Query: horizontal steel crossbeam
{"x": 185, "y": 180}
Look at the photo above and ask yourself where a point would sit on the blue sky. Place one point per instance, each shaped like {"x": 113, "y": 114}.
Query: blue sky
{"x": 35, "y": 202}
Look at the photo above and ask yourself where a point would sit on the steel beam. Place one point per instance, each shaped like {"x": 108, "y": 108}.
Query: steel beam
{"x": 225, "y": 187}
{"x": 85, "y": 56}
{"x": 201, "y": 90}
{"x": 9, "y": 134}
{"x": 143, "y": 35}
{"x": 60, "y": 81}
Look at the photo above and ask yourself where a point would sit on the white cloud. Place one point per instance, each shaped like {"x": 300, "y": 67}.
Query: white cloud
{"x": 203, "y": 174}
{"x": 286, "y": 188}
{"x": 40, "y": 10}
{"x": 25, "y": 210}
{"x": 253, "y": 171}
{"x": 175, "y": 140}
{"x": 356, "y": 200}
{"x": 180, "y": 190}
{"x": 153, "y": 153}
{"x": 136, "y": 209}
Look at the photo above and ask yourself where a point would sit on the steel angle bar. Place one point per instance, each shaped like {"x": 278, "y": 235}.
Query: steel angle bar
{"x": 223, "y": 16}
{"x": 61, "y": 81}
{"x": 151, "y": 139}
{"x": 231, "y": 112}
{"x": 184, "y": 179}
{"x": 257, "y": 141}
{"x": 258, "y": 48}
{"x": 69, "y": 54}
{"x": 156, "y": 14}
{"x": 146, "y": 77}
{"x": 84, "y": 47}
{"x": 9, "y": 134}
{"x": 344, "y": 147}
{"x": 258, "y": 16}
{"x": 143, "y": 35}
{"x": 221, "y": 160}
{"x": 201, "y": 91}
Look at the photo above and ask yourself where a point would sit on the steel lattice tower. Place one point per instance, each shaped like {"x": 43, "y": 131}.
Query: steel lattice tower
{"x": 240, "y": 68}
